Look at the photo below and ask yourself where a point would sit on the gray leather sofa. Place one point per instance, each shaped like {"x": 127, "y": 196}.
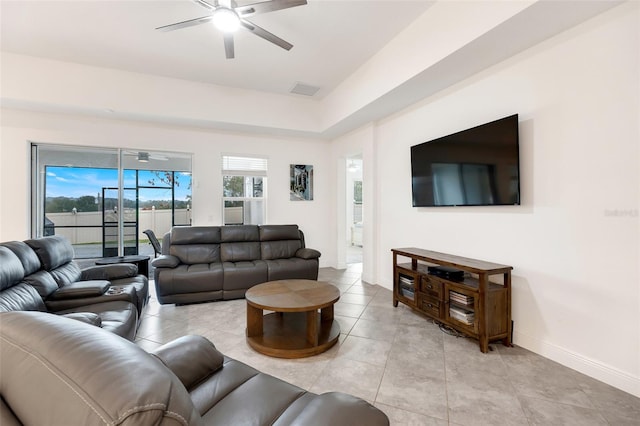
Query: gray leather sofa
{"x": 206, "y": 263}
{"x": 82, "y": 376}
{"x": 40, "y": 275}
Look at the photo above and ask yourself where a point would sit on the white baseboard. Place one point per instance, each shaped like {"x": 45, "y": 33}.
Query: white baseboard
{"x": 604, "y": 373}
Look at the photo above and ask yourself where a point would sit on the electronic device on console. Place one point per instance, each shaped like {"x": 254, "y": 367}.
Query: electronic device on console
{"x": 446, "y": 272}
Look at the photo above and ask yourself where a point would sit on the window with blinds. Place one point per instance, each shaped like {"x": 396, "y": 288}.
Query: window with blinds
{"x": 249, "y": 166}
{"x": 244, "y": 182}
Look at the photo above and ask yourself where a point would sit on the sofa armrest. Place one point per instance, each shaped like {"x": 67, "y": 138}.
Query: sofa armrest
{"x": 86, "y": 317}
{"x": 165, "y": 261}
{"x": 191, "y": 358}
{"x": 307, "y": 253}
{"x": 81, "y": 289}
{"x": 340, "y": 409}
{"x": 109, "y": 272}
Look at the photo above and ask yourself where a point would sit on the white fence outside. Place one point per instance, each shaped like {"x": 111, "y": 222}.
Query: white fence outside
{"x": 159, "y": 221}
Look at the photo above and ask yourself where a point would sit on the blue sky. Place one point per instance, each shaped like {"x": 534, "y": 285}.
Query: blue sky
{"x": 74, "y": 182}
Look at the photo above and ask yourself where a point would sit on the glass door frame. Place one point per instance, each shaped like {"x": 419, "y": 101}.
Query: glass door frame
{"x": 45, "y": 155}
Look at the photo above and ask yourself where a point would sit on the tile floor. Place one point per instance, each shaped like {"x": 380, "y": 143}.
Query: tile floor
{"x": 405, "y": 365}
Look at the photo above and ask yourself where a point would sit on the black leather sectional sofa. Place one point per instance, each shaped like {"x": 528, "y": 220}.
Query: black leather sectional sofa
{"x": 206, "y": 263}
{"x": 40, "y": 275}
{"x": 80, "y": 375}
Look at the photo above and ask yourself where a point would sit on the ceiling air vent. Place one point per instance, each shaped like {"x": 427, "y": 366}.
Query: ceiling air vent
{"x": 304, "y": 89}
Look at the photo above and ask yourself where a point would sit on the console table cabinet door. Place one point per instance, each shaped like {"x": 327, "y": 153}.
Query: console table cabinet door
{"x": 457, "y": 305}
{"x": 401, "y": 291}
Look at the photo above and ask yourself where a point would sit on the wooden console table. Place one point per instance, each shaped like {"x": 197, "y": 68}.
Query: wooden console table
{"x": 474, "y": 305}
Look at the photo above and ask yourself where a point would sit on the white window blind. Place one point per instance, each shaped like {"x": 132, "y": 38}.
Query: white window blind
{"x": 245, "y": 166}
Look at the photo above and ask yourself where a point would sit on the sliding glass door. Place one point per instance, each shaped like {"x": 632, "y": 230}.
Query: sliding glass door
{"x": 102, "y": 199}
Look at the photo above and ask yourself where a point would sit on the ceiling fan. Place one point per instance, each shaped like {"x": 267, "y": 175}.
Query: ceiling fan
{"x": 227, "y": 16}
{"x": 144, "y": 157}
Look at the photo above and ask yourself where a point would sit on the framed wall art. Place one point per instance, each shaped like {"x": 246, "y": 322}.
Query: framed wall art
{"x": 301, "y": 182}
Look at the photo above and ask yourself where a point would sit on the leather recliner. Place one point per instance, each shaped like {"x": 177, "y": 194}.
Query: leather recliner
{"x": 206, "y": 263}
{"x": 80, "y": 375}
{"x": 17, "y": 294}
{"x": 41, "y": 275}
{"x": 56, "y": 254}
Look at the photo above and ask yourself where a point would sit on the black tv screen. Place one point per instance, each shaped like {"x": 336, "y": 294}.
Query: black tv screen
{"x": 474, "y": 167}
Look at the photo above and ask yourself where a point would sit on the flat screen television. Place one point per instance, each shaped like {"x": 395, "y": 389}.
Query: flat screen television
{"x": 475, "y": 167}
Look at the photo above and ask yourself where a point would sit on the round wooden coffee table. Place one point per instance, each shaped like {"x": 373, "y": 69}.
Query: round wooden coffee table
{"x": 295, "y": 328}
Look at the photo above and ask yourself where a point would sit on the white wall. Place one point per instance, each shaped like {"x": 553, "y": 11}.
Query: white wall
{"x": 20, "y": 127}
{"x": 574, "y": 241}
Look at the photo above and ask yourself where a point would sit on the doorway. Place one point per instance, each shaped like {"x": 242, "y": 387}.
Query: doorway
{"x": 354, "y": 209}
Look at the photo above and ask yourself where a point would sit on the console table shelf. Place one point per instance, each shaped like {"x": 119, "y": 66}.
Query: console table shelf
{"x": 475, "y": 306}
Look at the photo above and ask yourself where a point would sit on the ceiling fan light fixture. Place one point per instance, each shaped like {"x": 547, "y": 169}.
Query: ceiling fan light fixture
{"x": 143, "y": 157}
{"x": 226, "y": 20}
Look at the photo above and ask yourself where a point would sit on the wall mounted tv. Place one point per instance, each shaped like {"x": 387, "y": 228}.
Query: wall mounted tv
{"x": 474, "y": 167}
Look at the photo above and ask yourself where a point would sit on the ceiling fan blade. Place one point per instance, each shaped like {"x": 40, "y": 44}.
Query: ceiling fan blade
{"x": 211, "y": 5}
{"x": 261, "y": 32}
{"x": 228, "y": 45}
{"x": 186, "y": 24}
{"x": 267, "y": 6}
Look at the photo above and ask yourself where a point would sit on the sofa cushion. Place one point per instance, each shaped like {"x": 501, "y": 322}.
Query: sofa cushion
{"x": 238, "y": 252}
{"x": 118, "y": 317}
{"x": 294, "y": 268}
{"x": 43, "y": 282}
{"x": 239, "y": 233}
{"x": 279, "y": 249}
{"x": 192, "y": 358}
{"x": 12, "y": 271}
{"x": 53, "y": 251}
{"x": 28, "y": 257}
{"x": 86, "y": 317}
{"x": 210, "y": 392}
{"x": 279, "y": 232}
{"x": 333, "y": 408}
{"x": 185, "y": 235}
{"x": 279, "y": 241}
{"x": 66, "y": 274}
{"x": 240, "y": 243}
{"x": 275, "y": 397}
{"x": 21, "y": 297}
{"x": 196, "y": 253}
{"x": 191, "y": 279}
{"x": 243, "y": 275}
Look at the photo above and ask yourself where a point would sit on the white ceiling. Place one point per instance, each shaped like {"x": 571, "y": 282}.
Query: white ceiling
{"x": 331, "y": 39}
{"x": 336, "y": 43}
